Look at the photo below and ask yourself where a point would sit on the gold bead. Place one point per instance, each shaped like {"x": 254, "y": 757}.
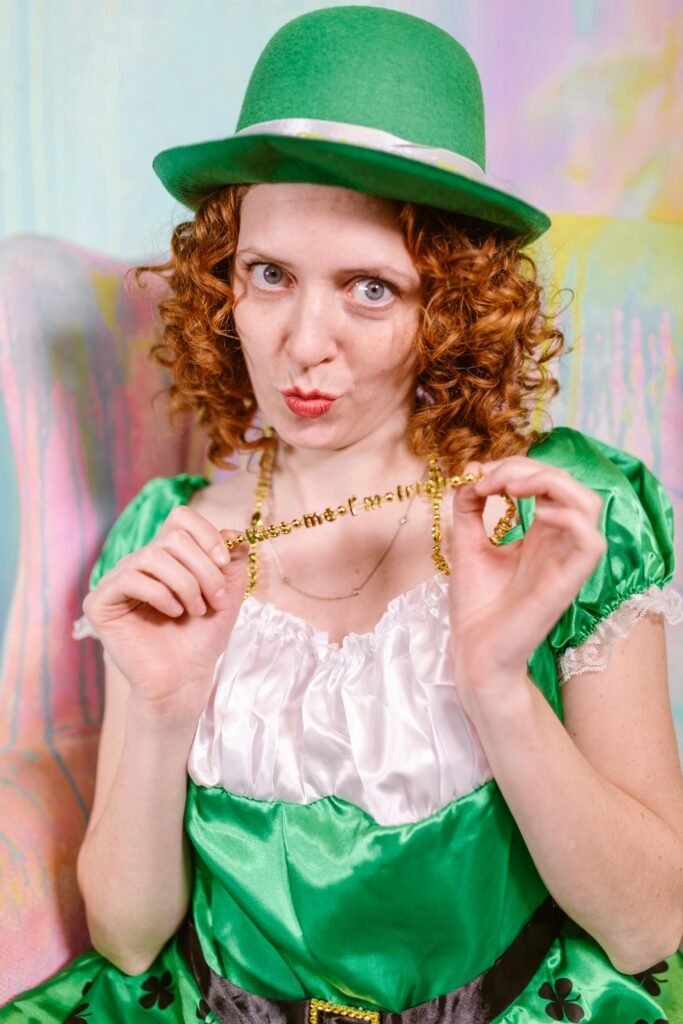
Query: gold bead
{"x": 372, "y": 501}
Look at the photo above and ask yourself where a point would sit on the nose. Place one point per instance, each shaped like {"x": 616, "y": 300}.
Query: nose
{"x": 309, "y": 329}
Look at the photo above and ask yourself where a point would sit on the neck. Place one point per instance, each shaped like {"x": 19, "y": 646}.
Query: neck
{"x": 306, "y": 478}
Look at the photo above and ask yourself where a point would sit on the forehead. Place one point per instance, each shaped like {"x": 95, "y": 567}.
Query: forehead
{"x": 304, "y": 215}
{"x": 318, "y": 199}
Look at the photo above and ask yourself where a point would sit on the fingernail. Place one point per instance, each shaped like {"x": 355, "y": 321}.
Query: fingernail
{"x": 220, "y": 554}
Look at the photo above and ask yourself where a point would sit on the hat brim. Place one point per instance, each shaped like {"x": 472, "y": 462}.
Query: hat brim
{"x": 190, "y": 173}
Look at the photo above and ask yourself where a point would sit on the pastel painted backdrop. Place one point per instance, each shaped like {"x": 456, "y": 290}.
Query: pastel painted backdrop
{"x": 583, "y": 102}
{"x": 583, "y": 105}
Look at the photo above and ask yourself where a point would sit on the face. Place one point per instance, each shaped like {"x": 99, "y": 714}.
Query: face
{"x": 326, "y": 300}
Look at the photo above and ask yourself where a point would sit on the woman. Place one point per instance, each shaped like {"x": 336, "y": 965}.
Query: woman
{"x": 392, "y": 807}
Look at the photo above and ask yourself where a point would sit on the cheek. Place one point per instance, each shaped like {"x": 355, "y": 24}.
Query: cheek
{"x": 255, "y": 359}
{"x": 402, "y": 354}
{"x": 390, "y": 370}
{"x": 252, "y": 337}
{"x": 242, "y": 320}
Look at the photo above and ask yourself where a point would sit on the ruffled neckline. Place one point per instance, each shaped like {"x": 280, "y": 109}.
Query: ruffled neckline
{"x": 422, "y": 599}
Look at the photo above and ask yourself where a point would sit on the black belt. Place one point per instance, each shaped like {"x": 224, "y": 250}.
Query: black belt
{"x": 479, "y": 1001}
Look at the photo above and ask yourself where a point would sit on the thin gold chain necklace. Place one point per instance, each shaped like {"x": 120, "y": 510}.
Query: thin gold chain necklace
{"x": 433, "y": 488}
{"x": 357, "y": 589}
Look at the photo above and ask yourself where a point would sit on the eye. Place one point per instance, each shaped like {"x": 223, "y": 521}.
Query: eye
{"x": 375, "y": 289}
{"x": 272, "y": 274}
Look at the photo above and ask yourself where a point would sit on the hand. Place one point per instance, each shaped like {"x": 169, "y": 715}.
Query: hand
{"x": 159, "y": 617}
{"x": 504, "y": 600}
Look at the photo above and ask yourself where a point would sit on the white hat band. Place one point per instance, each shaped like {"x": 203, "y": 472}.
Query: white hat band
{"x": 373, "y": 138}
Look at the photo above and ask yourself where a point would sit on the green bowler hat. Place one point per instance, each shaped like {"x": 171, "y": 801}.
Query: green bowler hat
{"x": 364, "y": 98}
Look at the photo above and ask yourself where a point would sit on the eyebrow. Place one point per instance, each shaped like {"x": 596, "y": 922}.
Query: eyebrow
{"x": 370, "y": 271}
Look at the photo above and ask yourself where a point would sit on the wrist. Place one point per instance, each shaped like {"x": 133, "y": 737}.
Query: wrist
{"x": 504, "y": 696}
{"x": 162, "y": 716}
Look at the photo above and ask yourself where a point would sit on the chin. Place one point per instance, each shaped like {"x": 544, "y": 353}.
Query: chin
{"x": 307, "y": 434}
{"x": 313, "y": 433}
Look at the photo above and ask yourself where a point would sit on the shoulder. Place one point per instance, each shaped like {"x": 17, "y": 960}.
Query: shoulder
{"x": 636, "y": 521}
{"x": 592, "y": 461}
{"x": 626, "y": 484}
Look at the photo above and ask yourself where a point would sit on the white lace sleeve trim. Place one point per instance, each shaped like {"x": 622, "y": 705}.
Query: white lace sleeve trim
{"x": 595, "y": 653}
{"x": 83, "y": 627}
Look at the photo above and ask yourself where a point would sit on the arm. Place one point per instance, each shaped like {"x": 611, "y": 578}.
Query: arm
{"x": 599, "y": 800}
{"x": 134, "y": 864}
{"x": 164, "y": 613}
{"x": 164, "y": 596}
{"x": 602, "y": 815}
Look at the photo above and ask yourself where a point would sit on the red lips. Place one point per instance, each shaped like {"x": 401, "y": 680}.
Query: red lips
{"x": 309, "y": 404}
{"x": 308, "y": 394}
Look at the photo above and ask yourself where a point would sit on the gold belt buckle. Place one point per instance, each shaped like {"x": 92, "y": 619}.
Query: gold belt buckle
{"x": 354, "y": 1012}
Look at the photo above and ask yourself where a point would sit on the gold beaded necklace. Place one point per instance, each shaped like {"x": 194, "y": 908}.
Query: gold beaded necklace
{"x": 355, "y": 591}
{"x": 432, "y": 488}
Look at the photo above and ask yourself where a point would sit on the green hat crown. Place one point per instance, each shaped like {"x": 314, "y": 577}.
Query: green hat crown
{"x": 364, "y": 98}
{"x": 375, "y": 67}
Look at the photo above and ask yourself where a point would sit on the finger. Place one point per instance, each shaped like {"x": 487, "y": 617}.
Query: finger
{"x": 239, "y": 551}
{"x": 210, "y": 578}
{"x": 555, "y": 562}
{"x": 550, "y": 483}
{"x": 552, "y": 593}
{"x": 155, "y": 561}
{"x": 129, "y": 587}
{"x": 204, "y": 532}
{"x": 572, "y": 536}
{"x": 468, "y": 530}
{"x": 468, "y": 497}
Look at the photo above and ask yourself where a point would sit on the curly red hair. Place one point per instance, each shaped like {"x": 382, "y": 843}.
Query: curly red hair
{"x": 483, "y": 343}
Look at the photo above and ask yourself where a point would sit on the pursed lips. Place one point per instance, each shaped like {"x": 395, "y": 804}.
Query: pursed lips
{"x": 306, "y": 395}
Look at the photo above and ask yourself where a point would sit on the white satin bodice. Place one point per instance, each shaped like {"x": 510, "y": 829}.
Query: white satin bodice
{"x": 375, "y": 720}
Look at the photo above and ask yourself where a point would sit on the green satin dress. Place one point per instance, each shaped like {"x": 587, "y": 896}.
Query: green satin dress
{"x": 347, "y": 846}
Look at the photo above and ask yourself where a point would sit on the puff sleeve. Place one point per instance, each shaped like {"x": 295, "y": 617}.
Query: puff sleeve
{"x": 136, "y": 526}
{"x": 634, "y": 575}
